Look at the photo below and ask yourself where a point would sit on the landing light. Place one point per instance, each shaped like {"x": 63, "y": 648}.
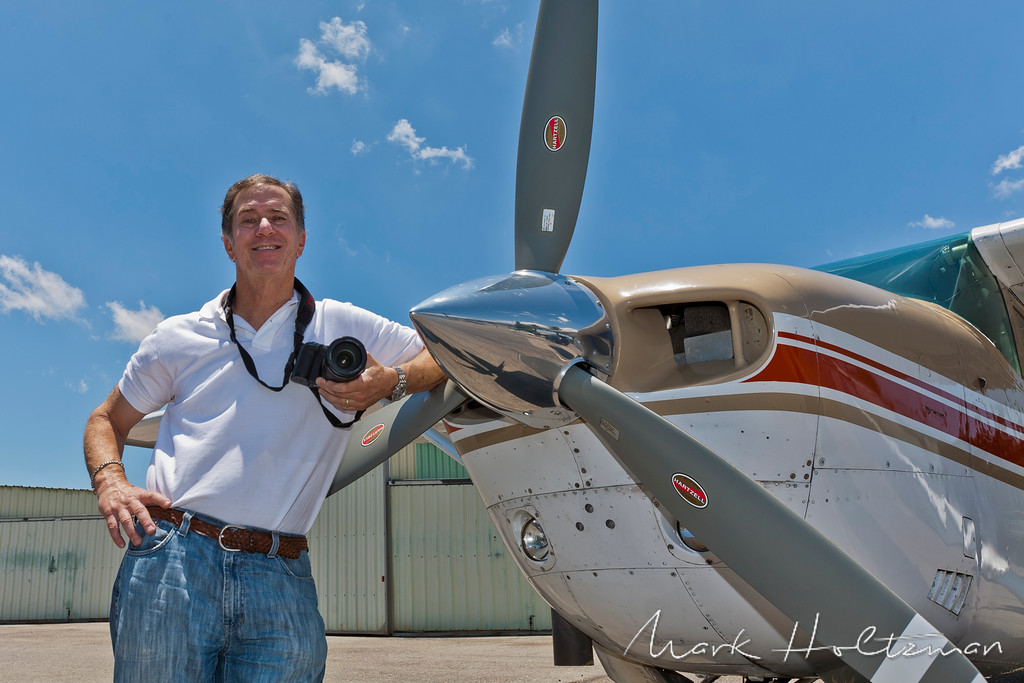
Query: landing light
{"x": 534, "y": 541}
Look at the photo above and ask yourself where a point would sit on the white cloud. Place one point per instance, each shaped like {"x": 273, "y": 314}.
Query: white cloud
{"x": 38, "y": 292}
{"x": 404, "y": 134}
{"x": 348, "y": 40}
{"x": 343, "y": 243}
{"x": 344, "y": 77}
{"x": 932, "y": 223}
{"x": 80, "y": 388}
{"x": 359, "y": 147}
{"x": 509, "y": 37}
{"x": 133, "y": 326}
{"x": 1007, "y": 187}
{"x": 1008, "y": 161}
{"x": 455, "y": 155}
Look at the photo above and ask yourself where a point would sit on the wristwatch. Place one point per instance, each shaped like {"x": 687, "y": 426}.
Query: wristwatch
{"x": 399, "y": 391}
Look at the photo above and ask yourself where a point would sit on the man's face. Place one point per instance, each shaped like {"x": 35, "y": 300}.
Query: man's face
{"x": 266, "y": 241}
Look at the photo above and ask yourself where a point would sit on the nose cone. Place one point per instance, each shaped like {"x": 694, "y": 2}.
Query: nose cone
{"x": 506, "y": 338}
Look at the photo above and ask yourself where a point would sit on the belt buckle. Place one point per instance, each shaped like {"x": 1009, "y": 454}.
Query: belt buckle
{"x": 220, "y": 537}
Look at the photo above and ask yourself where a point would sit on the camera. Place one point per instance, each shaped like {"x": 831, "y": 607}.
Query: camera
{"x": 342, "y": 361}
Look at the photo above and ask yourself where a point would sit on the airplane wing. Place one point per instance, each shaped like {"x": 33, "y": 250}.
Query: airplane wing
{"x": 144, "y": 433}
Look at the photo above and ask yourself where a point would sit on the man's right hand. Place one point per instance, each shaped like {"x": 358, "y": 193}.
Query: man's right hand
{"x": 105, "y": 434}
{"x": 119, "y": 501}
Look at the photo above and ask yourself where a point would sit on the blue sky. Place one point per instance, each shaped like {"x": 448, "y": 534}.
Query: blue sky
{"x": 786, "y": 132}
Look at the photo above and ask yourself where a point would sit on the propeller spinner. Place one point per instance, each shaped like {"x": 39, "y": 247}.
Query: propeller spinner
{"x": 519, "y": 343}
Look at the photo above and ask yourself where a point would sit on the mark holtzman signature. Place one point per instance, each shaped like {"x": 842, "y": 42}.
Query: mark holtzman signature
{"x": 701, "y": 648}
{"x": 869, "y": 644}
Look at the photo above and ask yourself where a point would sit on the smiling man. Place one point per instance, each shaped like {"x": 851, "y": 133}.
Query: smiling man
{"x": 216, "y": 584}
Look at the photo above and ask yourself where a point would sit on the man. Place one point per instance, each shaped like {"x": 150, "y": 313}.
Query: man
{"x": 216, "y": 584}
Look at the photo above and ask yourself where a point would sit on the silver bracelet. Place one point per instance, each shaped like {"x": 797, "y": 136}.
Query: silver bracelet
{"x": 92, "y": 477}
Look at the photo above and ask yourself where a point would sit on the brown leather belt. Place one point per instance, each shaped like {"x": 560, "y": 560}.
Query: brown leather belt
{"x": 234, "y": 538}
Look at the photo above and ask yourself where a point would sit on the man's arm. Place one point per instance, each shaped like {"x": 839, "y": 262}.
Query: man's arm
{"x": 422, "y": 373}
{"x": 118, "y": 500}
{"x": 379, "y": 381}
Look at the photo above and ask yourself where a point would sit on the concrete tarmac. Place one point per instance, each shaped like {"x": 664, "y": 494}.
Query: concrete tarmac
{"x": 81, "y": 653}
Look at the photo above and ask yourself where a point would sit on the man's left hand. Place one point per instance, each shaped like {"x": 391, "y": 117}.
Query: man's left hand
{"x": 376, "y": 382}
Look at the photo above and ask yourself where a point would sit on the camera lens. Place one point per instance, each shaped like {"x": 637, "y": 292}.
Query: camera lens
{"x": 343, "y": 358}
{"x": 346, "y": 360}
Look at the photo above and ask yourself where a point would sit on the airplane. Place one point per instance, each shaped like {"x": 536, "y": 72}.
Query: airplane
{"x": 753, "y": 470}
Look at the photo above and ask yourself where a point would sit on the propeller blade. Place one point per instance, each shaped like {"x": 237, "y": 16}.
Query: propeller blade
{"x": 554, "y": 134}
{"x": 381, "y": 434}
{"x": 773, "y": 549}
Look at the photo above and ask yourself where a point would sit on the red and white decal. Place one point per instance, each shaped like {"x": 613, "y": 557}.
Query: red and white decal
{"x": 372, "y": 435}
{"x": 690, "y": 491}
{"x": 554, "y": 133}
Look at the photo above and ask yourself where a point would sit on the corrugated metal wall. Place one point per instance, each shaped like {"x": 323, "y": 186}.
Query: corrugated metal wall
{"x": 21, "y": 502}
{"x": 58, "y": 569}
{"x": 451, "y": 572}
{"x": 349, "y": 553}
{"x": 388, "y": 556}
{"x": 433, "y": 463}
{"x": 425, "y": 461}
{"x": 57, "y": 562}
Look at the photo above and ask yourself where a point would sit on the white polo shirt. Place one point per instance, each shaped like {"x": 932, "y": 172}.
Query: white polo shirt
{"x": 230, "y": 448}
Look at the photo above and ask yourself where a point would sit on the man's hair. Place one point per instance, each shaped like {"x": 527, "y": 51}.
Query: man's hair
{"x": 227, "y": 210}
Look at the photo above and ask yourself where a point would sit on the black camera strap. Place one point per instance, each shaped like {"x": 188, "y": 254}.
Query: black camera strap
{"x": 307, "y": 305}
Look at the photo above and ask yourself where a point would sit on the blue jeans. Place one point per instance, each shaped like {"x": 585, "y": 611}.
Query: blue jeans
{"x": 183, "y": 609}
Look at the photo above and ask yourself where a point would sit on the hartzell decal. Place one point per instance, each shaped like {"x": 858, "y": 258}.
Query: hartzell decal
{"x": 690, "y": 491}
{"x": 554, "y": 133}
{"x": 372, "y": 435}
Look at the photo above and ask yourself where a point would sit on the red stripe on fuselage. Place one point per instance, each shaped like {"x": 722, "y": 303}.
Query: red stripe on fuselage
{"x": 809, "y": 366}
{"x": 968, "y": 407}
